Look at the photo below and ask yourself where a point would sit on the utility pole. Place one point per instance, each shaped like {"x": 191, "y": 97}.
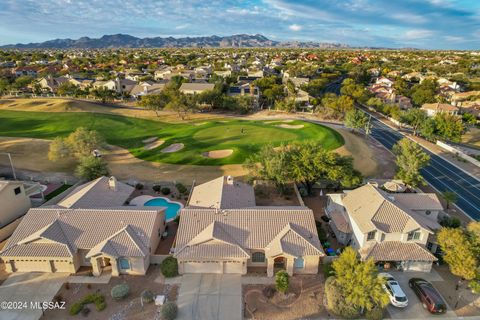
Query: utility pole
{"x": 11, "y": 164}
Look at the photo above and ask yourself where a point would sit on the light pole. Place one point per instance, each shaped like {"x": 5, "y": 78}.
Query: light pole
{"x": 11, "y": 164}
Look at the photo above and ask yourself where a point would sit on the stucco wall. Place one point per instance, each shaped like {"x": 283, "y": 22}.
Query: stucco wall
{"x": 310, "y": 265}
{"x": 13, "y": 206}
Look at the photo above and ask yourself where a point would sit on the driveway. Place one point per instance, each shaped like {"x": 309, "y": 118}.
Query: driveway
{"x": 210, "y": 297}
{"x": 27, "y": 288}
{"x": 415, "y": 310}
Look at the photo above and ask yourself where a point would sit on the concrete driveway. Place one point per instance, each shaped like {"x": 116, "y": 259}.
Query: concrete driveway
{"x": 210, "y": 297}
{"x": 27, "y": 288}
{"x": 415, "y": 310}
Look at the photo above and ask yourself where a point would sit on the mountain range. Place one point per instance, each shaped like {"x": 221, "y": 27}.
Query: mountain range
{"x": 127, "y": 41}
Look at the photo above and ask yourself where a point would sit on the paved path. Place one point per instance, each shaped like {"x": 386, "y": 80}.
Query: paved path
{"x": 441, "y": 174}
{"x": 29, "y": 287}
{"x": 210, "y": 297}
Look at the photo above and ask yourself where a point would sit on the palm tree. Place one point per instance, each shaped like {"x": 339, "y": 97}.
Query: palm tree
{"x": 449, "y": 197}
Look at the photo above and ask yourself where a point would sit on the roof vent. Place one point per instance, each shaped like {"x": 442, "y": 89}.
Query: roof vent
{"x": 391, "y": 198}
{"x": 113, "y": 183}
{"x": 229, "y": 180}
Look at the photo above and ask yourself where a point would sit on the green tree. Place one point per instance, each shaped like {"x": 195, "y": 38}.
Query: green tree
{"x": 424, "y": 92}
{"x": 82, "y": 142}
{"x": 450, "y": 197}
{"x": 90, "y": 168}
{"x": 104, "y": 94}
{"x": 356, "y": 119}
{"x": 282, "y": 281}
{"x": 182, "y": 104}
{"x": 58, "y": 149}
{"x": 410, "y": 158}
{"x": 415, "y": 118}
{"x": 449, "y": 127}
{"x": 427, "y": 129}
{"x": 155, "y": 102}
{"x": 459, "y": 252}
{"x": 358, "y": 281}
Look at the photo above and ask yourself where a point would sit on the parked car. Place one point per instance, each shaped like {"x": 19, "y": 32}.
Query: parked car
{"x": 428, "y": 295}
{"x": 398, "y": 298}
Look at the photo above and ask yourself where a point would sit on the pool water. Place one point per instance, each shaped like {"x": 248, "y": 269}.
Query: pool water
{"x": 172, "y": 207}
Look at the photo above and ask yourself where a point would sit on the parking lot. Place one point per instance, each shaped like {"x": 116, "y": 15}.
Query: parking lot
{"x": 415, "y": 310}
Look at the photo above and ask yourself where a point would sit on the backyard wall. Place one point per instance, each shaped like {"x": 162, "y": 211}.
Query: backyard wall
{"x": 458, "y": 152}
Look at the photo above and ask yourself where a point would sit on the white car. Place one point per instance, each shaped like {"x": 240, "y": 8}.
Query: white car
{"x": 398, "y": 298}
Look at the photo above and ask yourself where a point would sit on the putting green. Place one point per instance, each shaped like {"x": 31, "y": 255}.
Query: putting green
{"x": 242, "y": 136}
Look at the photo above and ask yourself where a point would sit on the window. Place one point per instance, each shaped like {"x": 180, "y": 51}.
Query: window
{"x": 299, "y": 263}
{"x": 17, "y": 190}
{"x": 124, "y": 263}
{"x": 428, "y": 212}
{"x": 258, "y": 257}
{"x": 429, "y": 246}
{"x": 414, "y": 235}
{"x": 371, "y": 235}
{"x": 383, "y": 237}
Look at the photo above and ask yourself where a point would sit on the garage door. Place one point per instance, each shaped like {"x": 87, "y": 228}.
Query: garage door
{"x": 202, "y": 267}
{"x": 232, "y": 267}
{"x": 31, "y": 266}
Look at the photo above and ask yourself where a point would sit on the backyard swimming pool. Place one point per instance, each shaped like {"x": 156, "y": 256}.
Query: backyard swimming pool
{"x": 172, "y": 207}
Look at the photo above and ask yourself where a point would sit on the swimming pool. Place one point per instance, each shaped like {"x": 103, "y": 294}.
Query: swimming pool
{"x": 172, "y": 207}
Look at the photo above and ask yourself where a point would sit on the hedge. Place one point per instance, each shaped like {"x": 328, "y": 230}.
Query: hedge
{"x": 120, "y": 291}
{"x": 169, "y": 267}
{"x": 96, "y": 298}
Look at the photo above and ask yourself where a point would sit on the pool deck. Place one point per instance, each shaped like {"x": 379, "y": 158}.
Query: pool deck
{"x": 165, "y": 244}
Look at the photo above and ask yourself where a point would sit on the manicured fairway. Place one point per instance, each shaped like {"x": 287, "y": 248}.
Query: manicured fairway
{"x": 242, "y": 136}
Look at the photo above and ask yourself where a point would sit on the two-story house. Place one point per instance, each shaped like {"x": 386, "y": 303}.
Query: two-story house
{"x": 393, "y": 228}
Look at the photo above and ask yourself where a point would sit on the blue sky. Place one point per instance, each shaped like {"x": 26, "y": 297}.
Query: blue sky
{"x": 434, "y": 24}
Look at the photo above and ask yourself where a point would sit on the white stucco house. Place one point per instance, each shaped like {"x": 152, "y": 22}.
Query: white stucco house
{"x": 397, "y": 228}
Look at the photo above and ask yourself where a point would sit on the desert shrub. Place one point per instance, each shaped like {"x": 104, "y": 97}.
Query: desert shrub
{"x": 139, "y": 186}
{"x": 157, "y": 188}
{"x": 475, "y": 286}
{"x": 269, "y": 291}
{"x": 336, "y": 302}
{"x": 100, "y": 306}
{"x": 181, "y": 188}
{"x": 165, "y": 191}
{"x": 169, "y": 311}
{"x": 147, "y": 296}
{"x": 169, "y": 267}
{"x": 120, "y": 291}
{"x": 282, "y": 281}
{"x": 374, "y": 314}
{"x": 76, "y": 308}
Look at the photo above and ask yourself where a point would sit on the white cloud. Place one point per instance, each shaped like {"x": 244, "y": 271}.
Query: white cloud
{"x": 295, "y": 27}
{"x": 416, "y": 34}
{"x": 182, "y": 26}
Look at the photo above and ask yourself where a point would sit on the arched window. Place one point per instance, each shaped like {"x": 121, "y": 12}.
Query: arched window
{"x": 299, "y": 263}
{"x": 258, "y": 257}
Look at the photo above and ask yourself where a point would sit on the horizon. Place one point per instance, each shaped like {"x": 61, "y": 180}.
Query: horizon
{"x": 357, "y": 23}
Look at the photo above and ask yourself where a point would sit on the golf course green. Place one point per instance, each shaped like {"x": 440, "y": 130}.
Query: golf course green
{"x": 240, "y": 137}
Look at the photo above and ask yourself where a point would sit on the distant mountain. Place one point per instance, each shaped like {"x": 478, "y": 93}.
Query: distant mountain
{"x": 127, "y": 41}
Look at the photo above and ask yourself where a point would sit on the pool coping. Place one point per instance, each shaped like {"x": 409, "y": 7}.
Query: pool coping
{"x": 141, "y": 200}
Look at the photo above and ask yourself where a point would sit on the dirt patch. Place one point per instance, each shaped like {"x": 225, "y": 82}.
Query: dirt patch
{"x": 266, "y": 194}
{"x": 129, "y": 308}
{"x": 154, "y": 145}
{"x": 150, "y": 140}
{"x": 218, "y": 154}
{"x": 173, "y": 148}
{"x": 303, "y": 300}
{"x": 291, "y": 126}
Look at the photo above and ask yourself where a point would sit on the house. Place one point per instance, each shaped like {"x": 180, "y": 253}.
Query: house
{"x": 146, "y": 88}
{"x": 223, "y": 73}
{"x": 394, "y": 228}
{"x": 14, "y": 201}
{"x": 223, "y": 231}
{"x": 63, "y": 240}
{"x": 433, "y": 109}
{"x": 384, "y": 81}
{"x": 196, "y": 88}
{"x": 90, "y": 227}
{"x": 118, "y": 85}
{"x": 25, "y": 71}
{"x": 161, "y": 73}
{"x": 51, "y": 84}
{"x": 246, "y": 89}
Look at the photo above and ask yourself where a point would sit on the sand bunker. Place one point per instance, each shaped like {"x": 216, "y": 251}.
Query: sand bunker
{"x": 290, "y": 126}
{"x": 173, "y": 148}
{"x": 217, "y": 154}
{"x": 289, "y": 120}
{"x": 200, "y": 123}
{"x": 150, "y": 140}
{"x": 154, "y": 145}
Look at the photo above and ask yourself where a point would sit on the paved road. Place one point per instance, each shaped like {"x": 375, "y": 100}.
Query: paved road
{"x": 441, "y": 174}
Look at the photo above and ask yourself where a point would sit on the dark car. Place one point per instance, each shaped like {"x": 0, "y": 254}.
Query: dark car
{"x": 428, "y": 295}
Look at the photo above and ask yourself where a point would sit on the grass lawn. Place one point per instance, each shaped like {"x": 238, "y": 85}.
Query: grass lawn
{"x": 128, "y": 132}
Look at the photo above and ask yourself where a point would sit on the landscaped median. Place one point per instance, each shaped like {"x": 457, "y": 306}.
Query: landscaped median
{"x": 216, "y": 142}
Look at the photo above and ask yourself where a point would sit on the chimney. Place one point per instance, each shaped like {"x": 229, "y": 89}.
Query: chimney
{"x": 230, "y": 180}
{"x": 112, "y": 183}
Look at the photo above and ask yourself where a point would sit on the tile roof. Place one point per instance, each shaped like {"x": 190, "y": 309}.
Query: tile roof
{"x": 61, "y": 232}
{"x": 222, "y": 193}
{"x": 103, "y": 192}
{"x": 193, "y": 86}
{"x": 233, "y": 233}
{"x": 396, "y": 251}
{"x": 439, "y": 107}
{"x": 372, "y": 208}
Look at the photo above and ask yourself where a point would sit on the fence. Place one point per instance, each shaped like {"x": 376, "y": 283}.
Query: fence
{"x": 458, "y": 152}
{"x": 158, "y": 258}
